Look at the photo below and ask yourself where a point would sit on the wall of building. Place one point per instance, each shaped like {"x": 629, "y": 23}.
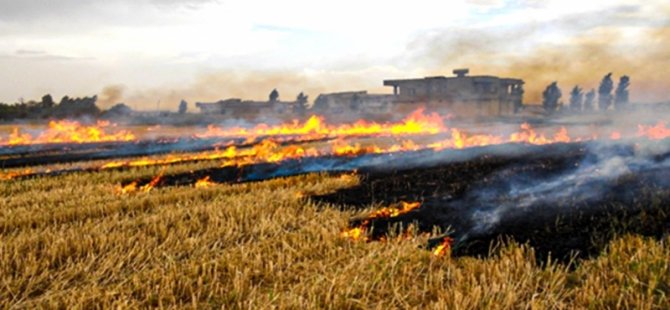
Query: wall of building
{"x": 462, "y": 96}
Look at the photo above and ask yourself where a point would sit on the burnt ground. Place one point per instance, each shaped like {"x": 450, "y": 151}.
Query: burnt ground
{"x": 454, "y": 195}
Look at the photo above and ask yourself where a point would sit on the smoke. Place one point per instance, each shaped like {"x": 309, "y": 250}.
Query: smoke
{"x": 598, "y": 46}
{"x": 110, "y": 95}
{"x": 256, "y": 85}
{"x": 587, "y": 183}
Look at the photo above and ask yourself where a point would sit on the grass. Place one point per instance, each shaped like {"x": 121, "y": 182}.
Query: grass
{"x": 72, "y": 242}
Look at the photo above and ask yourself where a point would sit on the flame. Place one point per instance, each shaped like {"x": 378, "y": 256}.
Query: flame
{"x": 460, "y": 139}
{"x": 416, "y": 123}
{"x": 359, "y": 232}
{"x": 149, "y": 186}
{"x": 657, "y": 132}
{"x": 14, "y": 174}
{"x": 66, "y": 131}
{"x": 134, "y": 186}
{"x": 394, "y": 212}
{"x": 275, "y": 149}
{"x": 615, "y": 135}
{"x": 130, "y": 188}
{"x": 356, "y": 233}
{"x": 204, "y": 182}
{"x": 444, "y": 247}
{"x": 528, "y": 135}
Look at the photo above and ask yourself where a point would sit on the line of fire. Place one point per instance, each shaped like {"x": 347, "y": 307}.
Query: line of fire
{"x": 461, "y": 159}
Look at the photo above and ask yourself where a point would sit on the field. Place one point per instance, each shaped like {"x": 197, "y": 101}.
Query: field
{"x": 78, "y": 240}
{"x": 71, "y": 240}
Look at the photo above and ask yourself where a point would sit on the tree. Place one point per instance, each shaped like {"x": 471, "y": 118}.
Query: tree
{"x": 550, "y": 97}
{"x": 47, "y": 101}
{"x": 119, "y": 109}
{"x": 576, "y": 99}
{"x": 605, "y": 92}
{"x": 301, "y": 102}
{"x": 183, "y": 106}
{"x": 274, "y": 95}
{"x": 76, "y": 107}
{"x": 621, "y": 99}
{"x": 301, "y": 99}
{"x": 588, "y": 101}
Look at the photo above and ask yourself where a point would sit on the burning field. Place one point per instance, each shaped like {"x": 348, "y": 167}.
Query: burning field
{"x": 420, "y": 212}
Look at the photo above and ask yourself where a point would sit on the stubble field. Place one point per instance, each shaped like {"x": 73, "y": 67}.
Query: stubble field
{"x": 74, "y": 241}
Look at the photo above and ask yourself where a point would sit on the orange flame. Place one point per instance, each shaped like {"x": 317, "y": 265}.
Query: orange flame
{"x": 444, "y": 247}
{"x": 415, "y": 123}
{"x": 149, "y": 186}
{"x": 359, "y": 232}
{"x": 130, "y": 188}
{"x": 657, "y": 132}
{"x": 204, "y": 182}
{"x": 615, "y": 135}
{"x": 70, "y": 132}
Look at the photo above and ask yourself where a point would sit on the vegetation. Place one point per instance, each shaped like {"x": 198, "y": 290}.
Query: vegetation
{"x": 72, "y": 241}
{"x": 47, "y": 108}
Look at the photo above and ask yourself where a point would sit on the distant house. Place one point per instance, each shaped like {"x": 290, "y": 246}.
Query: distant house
{"x": 353, "y": 101}
{"x": 462, "y": 95}
{"x": 246, "y": 108}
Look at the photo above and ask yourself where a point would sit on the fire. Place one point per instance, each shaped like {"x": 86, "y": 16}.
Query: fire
{"x": 393, "y": 212}
{"x": 204, "y": 182}
{"x": 130, "y": 188}
{"x": 528, "y": 135}
{"x": 359, "y": 232}
{"x": 14, "y": 174}
{"x": 134, "y": 186}
{"x": 460, "y": 139}
{"x": 149, "y": 186}
{"x": 413, "y": 124}
{"x": 356, "y": 233}
{"x": 270, "y": 147}
{"x": 66, "y": 131}
{"x": 444, "y": 247}
{"x": 657, "y": 132}
{"x": 615, "y": 135}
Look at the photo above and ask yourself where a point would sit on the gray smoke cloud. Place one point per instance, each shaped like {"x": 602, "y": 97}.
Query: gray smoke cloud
{"x": 583, "y": 184}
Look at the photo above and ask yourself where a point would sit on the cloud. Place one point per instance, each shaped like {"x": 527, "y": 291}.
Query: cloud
{"x": 37, "y": 55}
{"x": 28, "y": 10}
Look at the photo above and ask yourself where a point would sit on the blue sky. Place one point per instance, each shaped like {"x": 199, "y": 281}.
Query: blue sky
{"x": 145, "y": 50}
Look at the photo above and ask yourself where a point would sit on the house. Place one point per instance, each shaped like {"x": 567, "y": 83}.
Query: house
{"x": 462, "y": 95}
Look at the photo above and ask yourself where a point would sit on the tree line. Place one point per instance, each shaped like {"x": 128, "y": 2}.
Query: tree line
{"x": 608, "y": 97}
{"x": 48, "y": 108}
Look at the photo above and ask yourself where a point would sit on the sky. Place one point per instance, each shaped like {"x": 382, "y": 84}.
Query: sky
{"x": 155, "y": 52}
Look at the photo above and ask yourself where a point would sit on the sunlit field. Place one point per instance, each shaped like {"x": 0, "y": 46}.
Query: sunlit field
{"x": 74, "y": 241}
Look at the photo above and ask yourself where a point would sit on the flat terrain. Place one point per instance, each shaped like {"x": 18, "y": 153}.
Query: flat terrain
{"x": 74, "y": 241}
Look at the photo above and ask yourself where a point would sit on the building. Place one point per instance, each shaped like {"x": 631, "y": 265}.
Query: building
{"x": 248, "y": 109}
{"x": 461, "y": 95}
{"x": 353, "y": 101}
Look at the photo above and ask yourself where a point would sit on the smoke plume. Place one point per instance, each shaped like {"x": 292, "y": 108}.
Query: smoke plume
{"x": 110, "y": 95}
{"x": 581, "y": 59}
{"x": 256, "y": 85}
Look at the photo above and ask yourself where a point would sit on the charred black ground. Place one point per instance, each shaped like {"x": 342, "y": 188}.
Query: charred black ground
{"x": 451, "y": 194}
{"x": 28, "y": 156}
